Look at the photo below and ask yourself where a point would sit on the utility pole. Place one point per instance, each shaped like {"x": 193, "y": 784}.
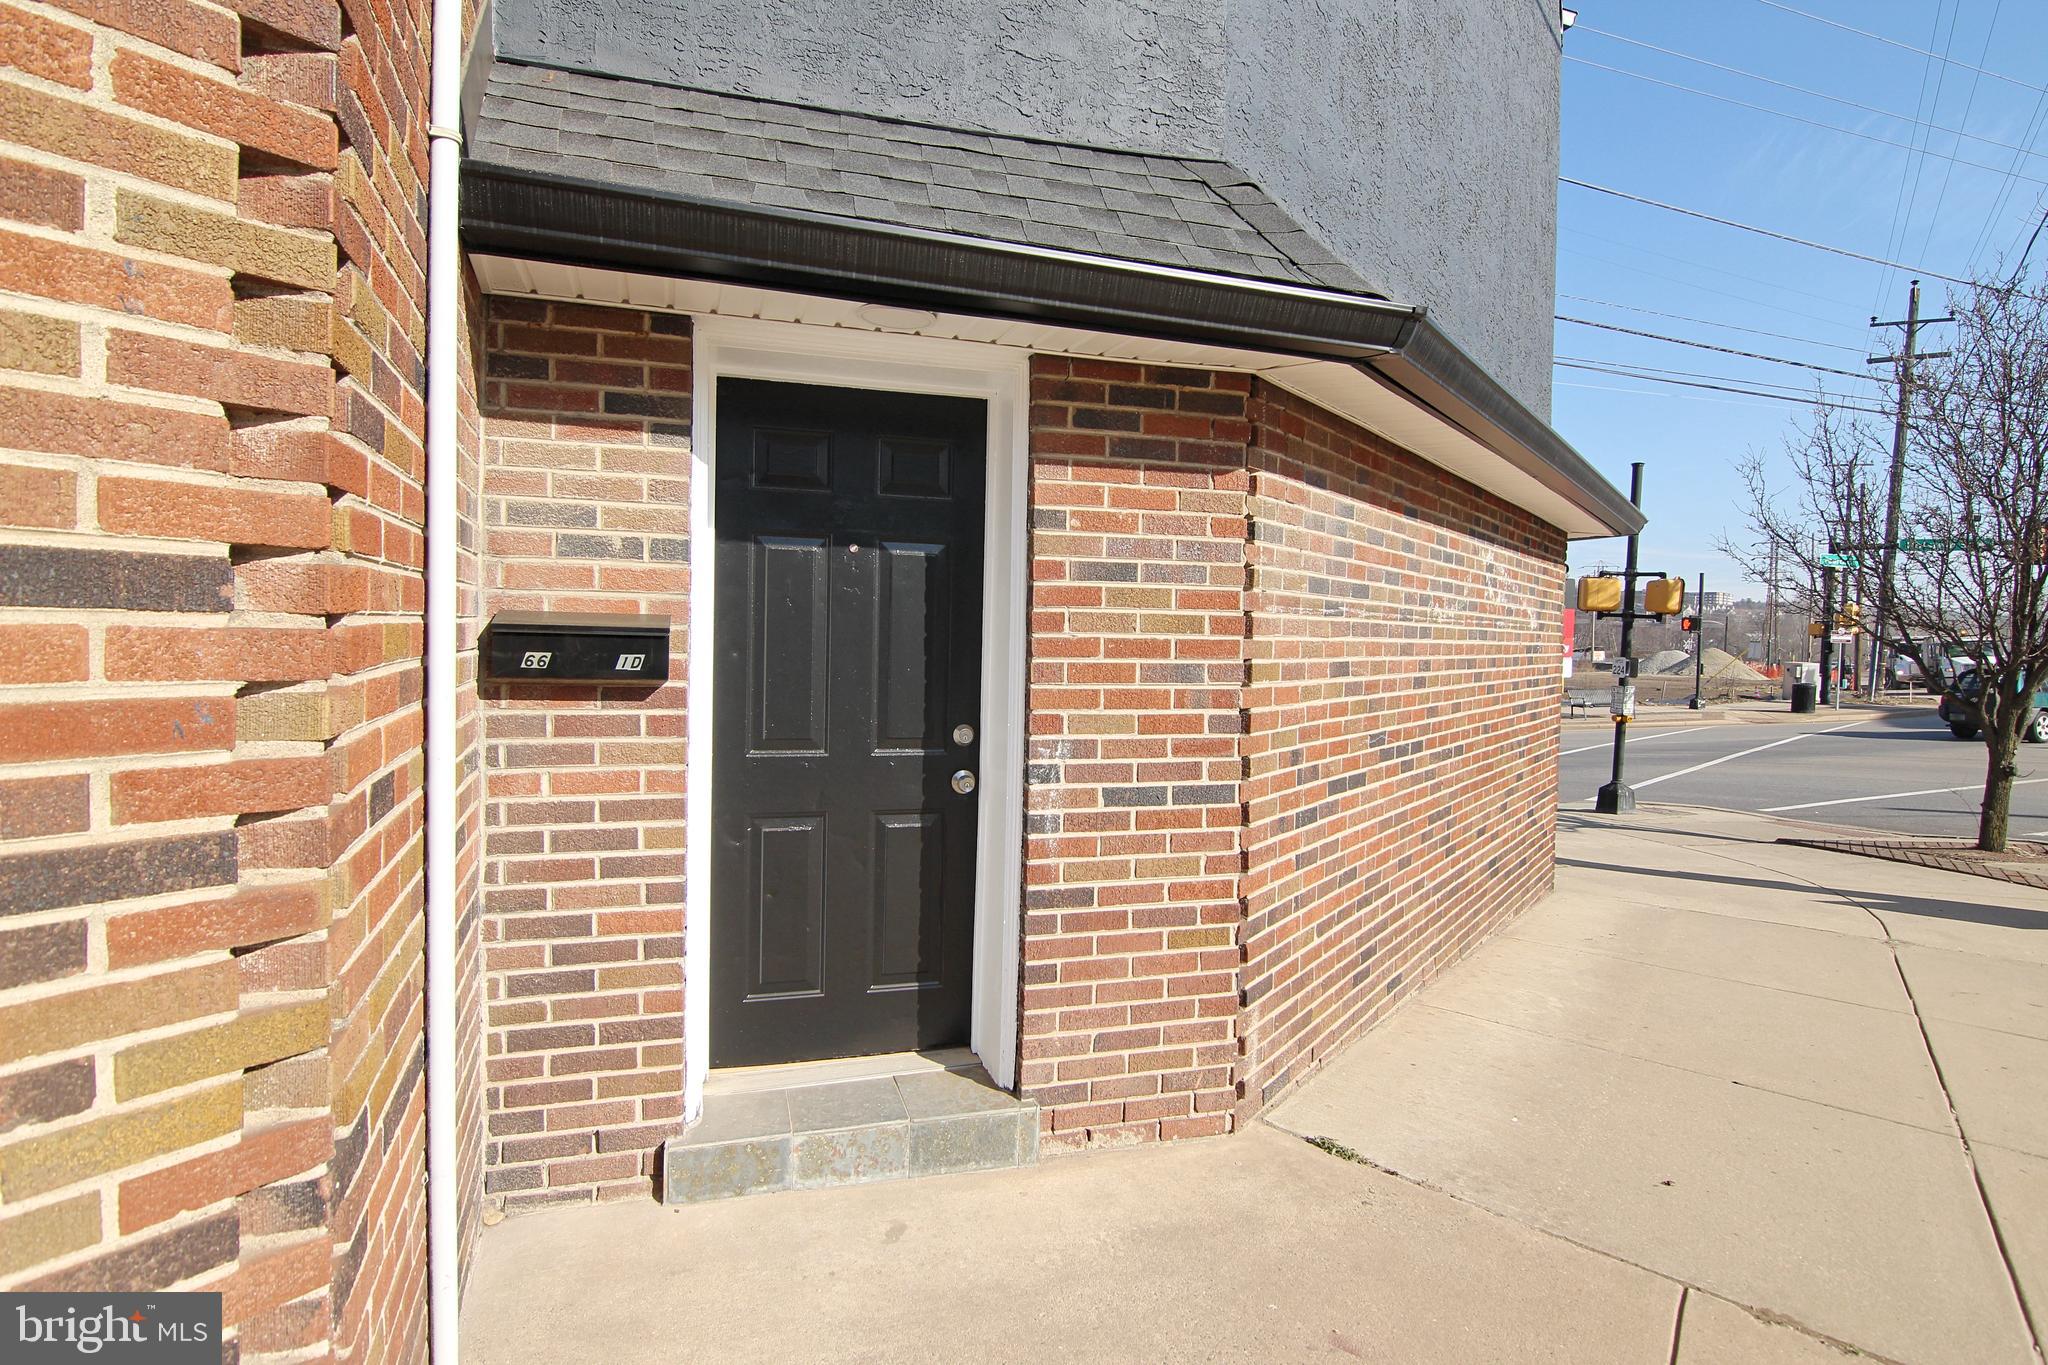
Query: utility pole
{"x": 1617, "y": 798}
{"x": 1827, "y": 632}
{"x": 1771, "y": 609}
{"x": 1699, "y": 644}
{"x": 1910, "y": 352}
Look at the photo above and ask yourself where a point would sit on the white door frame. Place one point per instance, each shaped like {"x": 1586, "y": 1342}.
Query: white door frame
{"x": 908, "y": 364}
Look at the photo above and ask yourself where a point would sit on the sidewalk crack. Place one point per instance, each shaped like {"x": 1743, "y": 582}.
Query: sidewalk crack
{"x": 1962, "y": 1136}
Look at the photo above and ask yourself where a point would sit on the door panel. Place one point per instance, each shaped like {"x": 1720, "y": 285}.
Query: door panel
{"x": 790, "y": 688}
{"x": 847, "y": 647}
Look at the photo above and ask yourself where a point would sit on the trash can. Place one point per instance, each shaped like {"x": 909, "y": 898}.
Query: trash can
{"x": 1805, "y": 696}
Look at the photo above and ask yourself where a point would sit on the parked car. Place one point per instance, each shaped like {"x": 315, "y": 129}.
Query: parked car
{"x": 1959, "y": 708}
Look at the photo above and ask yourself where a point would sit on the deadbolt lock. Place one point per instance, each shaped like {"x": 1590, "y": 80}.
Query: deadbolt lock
{"x": 963, "y": 782}
{"x": 963, "y": 734}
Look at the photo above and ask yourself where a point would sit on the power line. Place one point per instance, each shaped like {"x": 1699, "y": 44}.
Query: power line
{"x": 1613, "y": 264}
{"x": 2020, "y": 269}
{"x": 1891, "y": 230}
{"x": 1904, "y": 226}
{"x": 1809, "y": 402}
{"x": 1578, "y": 362}
{"x": 1908, "y": 47}
{"x": 1922, "y": 151}
{"x": 1693, "y": 262}
{"x": 1976, "y": 79}
{"x": 1583, "y": 27}
{"x": 1709, "y": 346}
{"x": 1663, "y": 396}
{"x": 1709, "y": 322}
{"x": 1720, "y": 388}
{"x": 2004, "y": 196}
{"x": 1761, "y": 232}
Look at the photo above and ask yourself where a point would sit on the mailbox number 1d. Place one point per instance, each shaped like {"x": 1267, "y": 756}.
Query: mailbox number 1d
{"x": 630, "y": 663}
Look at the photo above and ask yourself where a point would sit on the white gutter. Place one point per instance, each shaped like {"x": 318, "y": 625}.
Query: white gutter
{"x": 444, "y": 286}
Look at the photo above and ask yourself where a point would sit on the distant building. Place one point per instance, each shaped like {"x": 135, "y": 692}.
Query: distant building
{"x": 1716, "y": 601}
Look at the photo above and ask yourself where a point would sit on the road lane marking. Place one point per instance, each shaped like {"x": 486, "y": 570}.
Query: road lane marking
{"x": 1729, "y": 758}
{"x": 1893, "y": 796}
{"x": 1608, "y": 743}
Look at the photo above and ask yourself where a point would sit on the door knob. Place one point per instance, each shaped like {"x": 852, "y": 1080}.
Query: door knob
{"x": 963, "y": 782}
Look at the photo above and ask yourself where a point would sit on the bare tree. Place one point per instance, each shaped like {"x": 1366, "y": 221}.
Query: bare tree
{"x": 1971, "y": 577}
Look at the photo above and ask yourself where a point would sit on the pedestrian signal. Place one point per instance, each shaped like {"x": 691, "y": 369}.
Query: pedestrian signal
{"x": 1664, "y": 596}
{"x": 1599, "y": 594}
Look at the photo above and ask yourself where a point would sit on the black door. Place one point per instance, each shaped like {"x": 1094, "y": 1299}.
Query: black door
{"x": 847, "y": 690}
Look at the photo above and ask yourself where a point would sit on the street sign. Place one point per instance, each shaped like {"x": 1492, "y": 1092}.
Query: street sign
{"x": 1944, "y": 543}
{"x": 1620, "y": 667}
{"x": 1844, "y": 637}
{"x": 1840, "y": 562}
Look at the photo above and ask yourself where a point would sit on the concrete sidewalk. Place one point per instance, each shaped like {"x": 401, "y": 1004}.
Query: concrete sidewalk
{"x": 1748, "y": 1068}
{"x": 1686, "y": 1110}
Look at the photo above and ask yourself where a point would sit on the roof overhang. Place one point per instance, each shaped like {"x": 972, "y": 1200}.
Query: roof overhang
{"x": 1469, "y": 423}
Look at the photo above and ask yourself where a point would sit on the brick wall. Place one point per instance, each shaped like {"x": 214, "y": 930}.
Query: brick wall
{"x": 1133, "y": 818}
{"x": 585, "y": 508}
{"x": 1401, "y": 730}
{"x": 210, "y": 480}
{"x": 1291, "y": 733}
{"x": 469, "y": 967}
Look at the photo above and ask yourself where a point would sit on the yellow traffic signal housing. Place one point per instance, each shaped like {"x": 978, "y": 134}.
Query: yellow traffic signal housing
{"x": 1816, "y": 629}
{"x": 1599, "y": 594}
{"x": 1663, "y": 596}
{"x": 1851, "y": 616}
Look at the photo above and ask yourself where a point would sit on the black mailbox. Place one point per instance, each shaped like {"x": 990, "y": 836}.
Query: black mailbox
{"x": 576, "y": 646}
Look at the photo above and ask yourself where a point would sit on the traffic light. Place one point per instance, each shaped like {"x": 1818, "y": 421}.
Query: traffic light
{"x": 1664, "y": 596}
{"x": 1689, "y": 624}
{"x": 1850, "y": 617}
{"x": 1599, "y": 594}
{"x": 1816, "y": 629}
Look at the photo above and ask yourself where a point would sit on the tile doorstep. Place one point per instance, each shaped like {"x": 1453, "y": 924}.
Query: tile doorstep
{"x": 810, "y": 1136}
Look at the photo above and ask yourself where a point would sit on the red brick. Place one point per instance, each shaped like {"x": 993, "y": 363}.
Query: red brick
{"x": 302, "y": 77}
{"x": 236, "y": 378}
{"x": 316, "y": 22}
{"x": 260, "y": 1158}
{"x": 226, "y": 653}
{"x": 241, "y": 787}
{"x": 200, "y": 31}
{"x": 31, "y": 496}
{"x": 105, "y": 279}
{"x": 42, "y": 654}
{"x": 264, "y": 1281}
{"x": 42, "y": 47}
{"x": 39, "y": 732}
{"x": 251, "y": 914}
{"x": 217, "y": 107}
{"x": 234, "y": 513}
{"x": 295, "y": 200}
{"x": 103, "y": 428}
{"x": 41, "y": 195}
{"x": 37, "y": 807}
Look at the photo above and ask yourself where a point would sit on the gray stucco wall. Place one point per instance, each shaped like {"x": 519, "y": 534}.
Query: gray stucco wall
{"x": 1417, "y": 137}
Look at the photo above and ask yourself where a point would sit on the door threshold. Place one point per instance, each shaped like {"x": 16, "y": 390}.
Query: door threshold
{"x": 754, "y": 1080}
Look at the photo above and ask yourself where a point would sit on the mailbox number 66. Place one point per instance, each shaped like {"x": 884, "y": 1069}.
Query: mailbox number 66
{"x": 536, "y": 658}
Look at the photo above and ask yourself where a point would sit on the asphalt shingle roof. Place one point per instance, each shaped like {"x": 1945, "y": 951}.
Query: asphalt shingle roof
{"x": 668, "y": 140}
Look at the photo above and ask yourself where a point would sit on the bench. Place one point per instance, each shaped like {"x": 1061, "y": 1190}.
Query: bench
{"x": 1577, "y": 704}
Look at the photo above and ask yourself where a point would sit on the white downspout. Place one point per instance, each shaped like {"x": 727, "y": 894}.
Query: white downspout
{"x": 444, "y": 304}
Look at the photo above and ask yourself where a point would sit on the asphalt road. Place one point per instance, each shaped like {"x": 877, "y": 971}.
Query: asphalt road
{"x": 1896, "y": 771}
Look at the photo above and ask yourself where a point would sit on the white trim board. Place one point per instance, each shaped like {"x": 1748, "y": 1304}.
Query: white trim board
{"x": 1338, "y": 386}
{"x": 797, "y": 353}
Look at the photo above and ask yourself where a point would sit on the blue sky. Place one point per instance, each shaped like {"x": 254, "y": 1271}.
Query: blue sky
{"x": 1906, "y": 204}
